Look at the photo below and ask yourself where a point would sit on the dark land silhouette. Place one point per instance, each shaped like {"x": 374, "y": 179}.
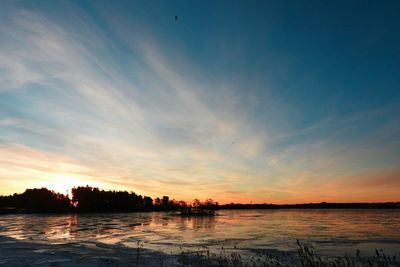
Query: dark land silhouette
{"x": 92, "y": 199}
{"x": 322, "y": 205}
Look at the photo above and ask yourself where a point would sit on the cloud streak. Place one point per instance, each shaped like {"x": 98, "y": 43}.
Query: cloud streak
{"x": 72, "y": 106}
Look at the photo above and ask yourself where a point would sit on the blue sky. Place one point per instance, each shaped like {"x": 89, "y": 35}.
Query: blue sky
{"x": 263, "y": 101}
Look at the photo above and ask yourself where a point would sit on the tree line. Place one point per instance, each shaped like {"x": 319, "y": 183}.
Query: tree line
{"x": 91, "y": 199}
{"x": 322, "y": 205}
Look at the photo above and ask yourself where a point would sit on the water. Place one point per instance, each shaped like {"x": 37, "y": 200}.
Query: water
{"x": 331, "y": 232}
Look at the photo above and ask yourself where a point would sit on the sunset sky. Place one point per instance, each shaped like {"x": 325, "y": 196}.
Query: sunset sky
{"x": 239, "y": 101}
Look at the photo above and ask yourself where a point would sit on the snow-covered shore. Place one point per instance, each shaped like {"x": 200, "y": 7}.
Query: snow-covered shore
{"x": 15, "y": 252}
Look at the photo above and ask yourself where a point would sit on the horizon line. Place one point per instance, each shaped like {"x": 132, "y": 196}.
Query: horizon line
{"x": 222, "y": 204}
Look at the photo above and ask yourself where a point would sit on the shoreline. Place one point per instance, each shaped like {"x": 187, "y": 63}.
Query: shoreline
{"x": 15, "y": 253}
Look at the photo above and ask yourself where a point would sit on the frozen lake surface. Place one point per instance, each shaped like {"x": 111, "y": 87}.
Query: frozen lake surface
{"x": 331, "y": 232}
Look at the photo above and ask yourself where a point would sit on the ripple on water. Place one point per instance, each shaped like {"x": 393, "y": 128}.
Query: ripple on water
{"x": 329, "y": 230}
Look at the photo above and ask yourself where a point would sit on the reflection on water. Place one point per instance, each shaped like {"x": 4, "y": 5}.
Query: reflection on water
{"x": 331, "y": 231}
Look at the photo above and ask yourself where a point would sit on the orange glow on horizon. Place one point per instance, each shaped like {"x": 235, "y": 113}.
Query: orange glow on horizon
{"x": 35, "y": 169}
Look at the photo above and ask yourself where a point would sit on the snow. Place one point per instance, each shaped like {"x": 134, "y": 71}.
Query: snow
{"x": 15, "y": 252}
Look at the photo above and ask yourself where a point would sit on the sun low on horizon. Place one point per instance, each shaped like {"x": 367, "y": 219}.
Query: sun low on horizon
{"x": 245, "y": 102}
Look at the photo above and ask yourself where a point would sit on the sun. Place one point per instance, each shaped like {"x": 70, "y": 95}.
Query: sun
{"x": 64, "y": 183}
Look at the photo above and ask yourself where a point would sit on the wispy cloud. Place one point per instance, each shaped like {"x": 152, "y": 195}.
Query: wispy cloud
{"x": 137, "y": 115}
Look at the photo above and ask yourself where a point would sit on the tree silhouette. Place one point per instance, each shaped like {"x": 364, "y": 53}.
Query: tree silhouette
{"x": 36, "y": 200}
{"x": 92, "y": 199}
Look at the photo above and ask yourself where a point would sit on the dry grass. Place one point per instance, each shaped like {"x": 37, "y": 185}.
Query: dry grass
{"x": 305, "y": 257}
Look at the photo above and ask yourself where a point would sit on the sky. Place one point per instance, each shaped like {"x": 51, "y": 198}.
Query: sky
{"x": 239, "y": 101}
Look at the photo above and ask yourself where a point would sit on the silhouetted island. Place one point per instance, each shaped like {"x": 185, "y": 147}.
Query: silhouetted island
{"x": 92, "y": 199}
